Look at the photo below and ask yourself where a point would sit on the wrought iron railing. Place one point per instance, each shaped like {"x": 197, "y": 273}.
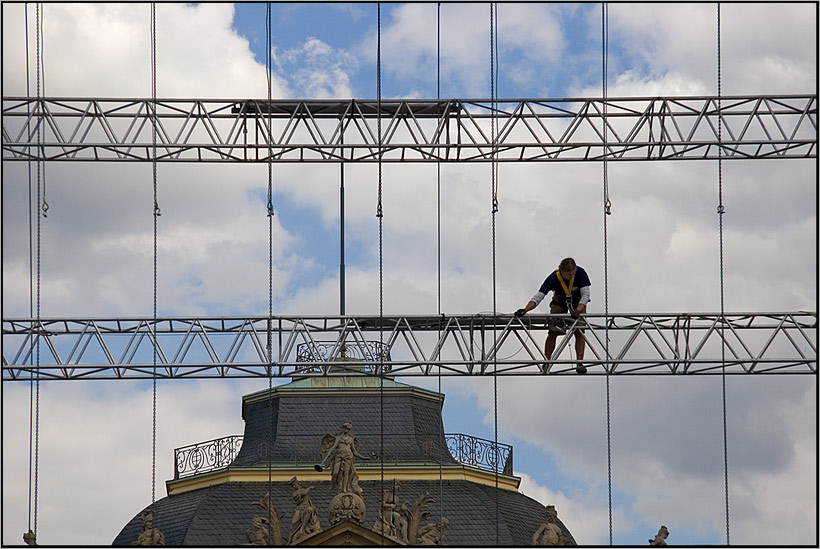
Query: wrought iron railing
{"x": 481, "y": 453}
{"x": 206, "y": 456}
{"x": 216, "y": 454}
{"x": 359, "y": 351}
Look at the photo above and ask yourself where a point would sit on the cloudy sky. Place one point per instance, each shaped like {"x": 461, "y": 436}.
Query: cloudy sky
{"x": 667, "y": 452}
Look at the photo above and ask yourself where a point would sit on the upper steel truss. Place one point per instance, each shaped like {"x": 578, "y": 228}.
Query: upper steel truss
{"x": 454, "y": 130}
{"x": 475, "y": 345}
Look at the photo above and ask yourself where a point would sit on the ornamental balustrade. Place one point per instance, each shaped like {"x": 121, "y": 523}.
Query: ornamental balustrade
{"x": 372, "y": 353}
{"x": 206, "y": 456}
{"x": 481, "y": 453}
{"x": 220, "y": 453}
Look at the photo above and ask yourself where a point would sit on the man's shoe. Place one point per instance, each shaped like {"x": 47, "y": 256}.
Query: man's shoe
{"x": 580, "y": 368}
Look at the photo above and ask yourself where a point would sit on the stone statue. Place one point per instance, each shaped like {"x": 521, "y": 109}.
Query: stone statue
{"x": 549, "y": 533}
{"x": 29, "y": 538}
{"x": 341, "y": 449}
{"x": 432, "y": 534}
{"x": 257, "y": 534}
{"x": 149, "y": 534}
{"x": 660, "y": 538}
{"x": 391, "y": 521}
{"x": 305, "y": 521}
{"x": 272, "y": 518}
{"x": 406, "y": 525}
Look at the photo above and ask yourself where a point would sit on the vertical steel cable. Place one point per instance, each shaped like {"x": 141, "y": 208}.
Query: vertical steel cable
{"x": 30, "y": 286}
{"x": 721, "y": 210}
{"x": 494, "y": 210}
{"x": 39, "y": 108}
{"x": 607, "y": 212}
{"x": 42, "y": 63}
{"x": 380, "y": 215}
{"x": 438, "y": 256}
{"x": 156, "y": 214}
{"x": 269, "y": 75}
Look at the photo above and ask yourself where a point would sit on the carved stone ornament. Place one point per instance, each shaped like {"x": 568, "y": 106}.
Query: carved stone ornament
{"x": 305, "y": 521}
{"x": 272, "y": 519}
{"x": 347, "y": 506}
{"x": 660, "y": 538}
{"x": 406, "y": 525}
{"x": 29, "y": 538}
{"x": 549, "y": 533}
{"x": 149, "y": 534}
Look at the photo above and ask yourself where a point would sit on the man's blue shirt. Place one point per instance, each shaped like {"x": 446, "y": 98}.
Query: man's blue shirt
{"x": 552, "y": 284}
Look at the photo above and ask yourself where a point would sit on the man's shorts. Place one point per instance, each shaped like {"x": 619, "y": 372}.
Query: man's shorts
{"x": 560, "y": 325}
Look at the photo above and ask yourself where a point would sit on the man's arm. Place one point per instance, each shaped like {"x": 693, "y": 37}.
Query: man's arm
{"x": 532, "y": 304}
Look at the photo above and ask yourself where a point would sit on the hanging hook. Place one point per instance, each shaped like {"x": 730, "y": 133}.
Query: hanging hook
{"x": 608, "y": 206}
{"x": 157, "y": 211}
{"x": 270, "y": 208}
{"x": 45, "y": 207}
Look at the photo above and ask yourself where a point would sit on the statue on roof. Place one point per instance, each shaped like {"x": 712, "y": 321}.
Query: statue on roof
{"x": 549, "y": 533}
{"x": 392, "y": 521}
{"x": 432, "y": 534}
{"x": 305, "y": 521}
{"x": 341, "y": 450}
{"x": 660, "y": 537}
{"x": 406, "y": 525}
{"x": 149, "y": 534}
{"x": 272, "y": 518}
{"x": 257, "y": 534}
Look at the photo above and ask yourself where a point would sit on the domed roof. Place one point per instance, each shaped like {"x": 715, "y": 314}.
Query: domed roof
{"x": 398, "y": 426}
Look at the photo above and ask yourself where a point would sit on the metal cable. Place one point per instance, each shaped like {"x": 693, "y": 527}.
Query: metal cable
{"x": 30, "y": 287}
{"x": 269, "y": 73}
{"x": 380, "y": 215}
{"x": 721, "y": 210}
{"x": 607, "y": 212}
{"x": 156, "y": 214}
{"x": 39, "y": 108}
{"x": 438, "y": 257}
{"x": 494, "y": 210}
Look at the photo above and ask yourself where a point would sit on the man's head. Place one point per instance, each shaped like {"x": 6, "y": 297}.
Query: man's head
{"x": 567, "y": 268}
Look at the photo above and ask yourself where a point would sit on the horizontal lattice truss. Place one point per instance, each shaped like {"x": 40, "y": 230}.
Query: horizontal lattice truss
{"x": 455, "y": 130}
{"x": 736, "y": 343}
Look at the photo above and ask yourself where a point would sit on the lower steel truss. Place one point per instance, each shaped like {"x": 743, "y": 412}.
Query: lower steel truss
{"x": 458, "y": 345}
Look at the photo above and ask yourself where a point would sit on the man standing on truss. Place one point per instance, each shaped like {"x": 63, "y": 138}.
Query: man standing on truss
{"x": 570, "y": 286}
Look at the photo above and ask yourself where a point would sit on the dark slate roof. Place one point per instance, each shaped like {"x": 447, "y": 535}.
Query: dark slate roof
{"x": 220, "y": 514}
{"x": 402, "y": 419}
{"x": 288, "y": 424}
